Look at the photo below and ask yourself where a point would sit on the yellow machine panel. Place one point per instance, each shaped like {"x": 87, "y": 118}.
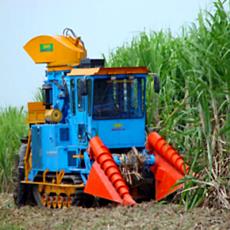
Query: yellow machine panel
{"x": 108, "y": 71}
{"x": 36, "y": 113}
{"x": 56, "y": 51}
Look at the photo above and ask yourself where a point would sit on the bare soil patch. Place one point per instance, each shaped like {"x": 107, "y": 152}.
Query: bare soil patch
{"x": 149, "y": 215}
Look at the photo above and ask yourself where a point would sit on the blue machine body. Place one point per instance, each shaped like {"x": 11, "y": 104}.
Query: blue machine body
{"x": 113, "y": 108}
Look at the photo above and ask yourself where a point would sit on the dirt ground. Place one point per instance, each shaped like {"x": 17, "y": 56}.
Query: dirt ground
{"x": 149, "y": 215}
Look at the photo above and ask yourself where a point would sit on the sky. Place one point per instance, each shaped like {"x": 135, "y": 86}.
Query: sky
{"x": 103, "y": 26}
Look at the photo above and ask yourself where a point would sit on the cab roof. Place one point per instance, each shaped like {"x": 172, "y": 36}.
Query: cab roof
{"x": 108, "y": 71}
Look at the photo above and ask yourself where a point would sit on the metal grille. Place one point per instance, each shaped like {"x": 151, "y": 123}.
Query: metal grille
{"x": 64, "y": 134}
{"x": 71, "y": 160}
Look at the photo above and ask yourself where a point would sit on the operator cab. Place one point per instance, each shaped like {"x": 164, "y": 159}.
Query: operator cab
{"x": 109, "y": 102}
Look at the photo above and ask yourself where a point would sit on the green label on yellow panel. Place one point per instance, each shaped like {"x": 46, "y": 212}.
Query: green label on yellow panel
{"x": 46, "y": 47}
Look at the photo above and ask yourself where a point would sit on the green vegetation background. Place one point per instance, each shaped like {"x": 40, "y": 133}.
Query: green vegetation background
{"x": 192, "y": 109}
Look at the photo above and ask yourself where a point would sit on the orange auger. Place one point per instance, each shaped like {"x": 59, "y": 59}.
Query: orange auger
{"x": 169, "y": 167}
{"x": 105, "y": 179}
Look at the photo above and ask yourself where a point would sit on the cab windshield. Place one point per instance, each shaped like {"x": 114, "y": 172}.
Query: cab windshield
{"x": 118, "y": 98}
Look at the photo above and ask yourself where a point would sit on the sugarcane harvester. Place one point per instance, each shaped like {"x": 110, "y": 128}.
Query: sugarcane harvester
{"x": 87, "y": 139}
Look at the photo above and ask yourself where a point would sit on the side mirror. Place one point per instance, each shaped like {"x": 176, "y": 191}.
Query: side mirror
{"x": 82, "y": 87}
{"x": 156, "y": 82}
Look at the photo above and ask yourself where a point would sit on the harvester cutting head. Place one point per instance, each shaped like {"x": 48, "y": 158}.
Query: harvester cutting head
{"x": 87, "y": 138}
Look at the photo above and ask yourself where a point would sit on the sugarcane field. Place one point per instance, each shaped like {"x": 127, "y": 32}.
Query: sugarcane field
{"x": 115, "y": 115}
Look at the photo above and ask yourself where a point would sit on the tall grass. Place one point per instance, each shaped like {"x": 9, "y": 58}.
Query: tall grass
{"x": 193, "y": 108}
{"x": 12, "y": 128}
{"x": 39, "y": 96}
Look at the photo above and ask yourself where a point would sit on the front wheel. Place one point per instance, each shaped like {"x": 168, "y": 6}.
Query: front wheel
{"x": 20, "y": 189}
{"x": 22, "y": 192}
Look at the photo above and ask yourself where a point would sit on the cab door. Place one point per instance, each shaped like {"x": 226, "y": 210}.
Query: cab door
{"x": 81, "y": 107}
